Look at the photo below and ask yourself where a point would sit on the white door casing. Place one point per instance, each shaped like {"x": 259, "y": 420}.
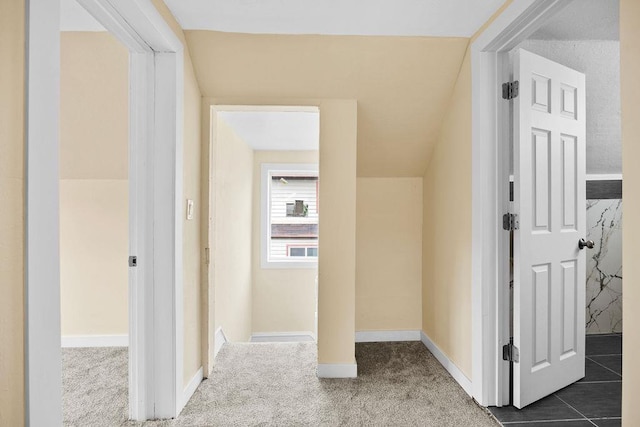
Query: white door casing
{"x": 155, "y": 186}
{"x": 549, "y": 196}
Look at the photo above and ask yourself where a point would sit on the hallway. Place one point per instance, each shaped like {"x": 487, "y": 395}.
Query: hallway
{"x": 275, "y": 384}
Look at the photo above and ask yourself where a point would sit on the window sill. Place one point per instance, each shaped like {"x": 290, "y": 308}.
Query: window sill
{"x": 289, "y": 265}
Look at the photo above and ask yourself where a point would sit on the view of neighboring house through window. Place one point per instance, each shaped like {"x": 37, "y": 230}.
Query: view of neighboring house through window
{"x": 292, "y": 204}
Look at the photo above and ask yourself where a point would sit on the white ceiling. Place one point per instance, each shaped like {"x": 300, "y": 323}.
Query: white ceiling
{"x": 443, "y": 18}
{"x": 74, "y": 17}
{"x": 275, "y": 130}
{"x": 583, "y": 20}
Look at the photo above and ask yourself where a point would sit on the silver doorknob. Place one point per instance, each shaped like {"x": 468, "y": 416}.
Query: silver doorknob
{"x": 588, "y": 243}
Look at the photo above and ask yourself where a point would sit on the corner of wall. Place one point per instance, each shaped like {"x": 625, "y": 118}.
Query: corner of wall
{"x": 447, "y": 182}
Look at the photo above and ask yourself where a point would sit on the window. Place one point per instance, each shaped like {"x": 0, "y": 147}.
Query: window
{"x": 307, "y": 252}
{"x": 290, "y": 211}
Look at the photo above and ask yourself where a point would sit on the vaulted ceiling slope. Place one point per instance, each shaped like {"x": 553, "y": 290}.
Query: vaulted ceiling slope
{"x": 441, "y": 18}
{"x": 402, "y": 84}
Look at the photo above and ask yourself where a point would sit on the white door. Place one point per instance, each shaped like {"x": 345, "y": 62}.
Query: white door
{"x": 549, "y": 196}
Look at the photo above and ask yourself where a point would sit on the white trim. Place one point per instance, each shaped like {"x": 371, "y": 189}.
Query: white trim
{"x": 156, "y": 117}
{"x": 490, "y": 193}
{"x": 265, "y": 108}
{"x": 43, "y": 365}
{"x": 219, "y": 340}
{"x": 192, "y": 386}
{"x": 387, "y": 336}
{"x": 337, "y": 370}
{"x": 295, "y": 336}
{"x": 451, "y": 367}
{"x": 282, "y": 334}
{"x": 141, "y": 77}
{"x": 604, "y": 177}
{"x": 76, "y": 341}
{"x": 265, "y": 208}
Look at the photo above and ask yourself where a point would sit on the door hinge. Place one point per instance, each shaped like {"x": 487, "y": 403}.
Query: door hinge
{"x": 510, "y": 221}
{"x": 510, "y": 353}
{"x": 510, "y": 90}
{"x": 206, "y": 255}
{"x": 133, "y": 261}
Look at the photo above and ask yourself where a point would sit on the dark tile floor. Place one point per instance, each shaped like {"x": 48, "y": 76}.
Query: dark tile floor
{"x": 595, "y": 400}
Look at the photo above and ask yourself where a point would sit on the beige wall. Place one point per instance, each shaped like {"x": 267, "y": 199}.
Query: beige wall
{"x": 12, "y": 103}
{"x": 193, "y": 250}
{"x": 94, "y": 107}
{"x": 446, "y": 291}
{"x": 94, "y": 220}
{"x": 232, "y": 232}
{"x": 402, "y": 84}
{"x": 630, "y": 58}
{"x": 446, "y": 250}
{"x": 389, "y": 254}
{"x": 284, "y": 300}
{"x": 337, "y": 225}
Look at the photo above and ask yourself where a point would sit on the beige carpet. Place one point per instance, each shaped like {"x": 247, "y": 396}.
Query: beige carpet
{"x": 94, "y": 386}
{"x": 269, "y": 384}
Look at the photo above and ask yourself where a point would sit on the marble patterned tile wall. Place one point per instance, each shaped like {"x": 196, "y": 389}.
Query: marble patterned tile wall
{"x": 604, "y": 266}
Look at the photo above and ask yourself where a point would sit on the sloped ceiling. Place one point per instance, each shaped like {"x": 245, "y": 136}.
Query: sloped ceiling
{"x": 402, "y": 84}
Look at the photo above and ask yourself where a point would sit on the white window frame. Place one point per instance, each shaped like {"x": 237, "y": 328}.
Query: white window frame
{"x": 306, "y": 248}
{"x": 265, "y": 212}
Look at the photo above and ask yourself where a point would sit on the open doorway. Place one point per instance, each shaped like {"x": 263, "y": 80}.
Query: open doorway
{"x": 264, "y": 219}
{"x": 155, "y": 383}
{"x": 94, "y": 221}
{"x": 586, "y": 316}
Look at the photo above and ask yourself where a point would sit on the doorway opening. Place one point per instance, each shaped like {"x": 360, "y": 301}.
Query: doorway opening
{"x": 582, "y": 36}
{"x": 491, "y": 170}
{"x": 154, "y": 202}
{"x": 94, "y": 221}
{"x": 568, "y": 39}
{"x": 264, "y": 220}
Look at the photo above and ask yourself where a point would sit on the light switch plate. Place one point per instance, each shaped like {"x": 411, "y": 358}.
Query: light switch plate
{"x": 189, "y": 209}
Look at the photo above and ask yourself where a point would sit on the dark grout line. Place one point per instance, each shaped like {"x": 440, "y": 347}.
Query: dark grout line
{"x": 563, "y": 401}
{"x": 600, "y": 355}
{"x": 604, "y": 418}
{"x": 599, "y": 382}
{"x": 611, "y": 370}
{"x": 610, "y": 334}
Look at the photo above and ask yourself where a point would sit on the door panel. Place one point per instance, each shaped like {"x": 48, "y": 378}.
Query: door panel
{"x": 549, "y": 197}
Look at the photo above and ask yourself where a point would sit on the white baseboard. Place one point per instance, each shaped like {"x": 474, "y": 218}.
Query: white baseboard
{"x": 192, "y": 386}
{"x": 95, "y": 341}
{"x": 604, "y": 177}
{"x": 219, "y": 340}
{"x": 337, "y": 370}
{"x": 281, "y": 336}
{"x": 387, "y": 336}
{"x": 455, "y": 372}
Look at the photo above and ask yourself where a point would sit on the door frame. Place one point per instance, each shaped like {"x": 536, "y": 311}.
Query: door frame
{"x": 490, "y": 192}
{"x": 155, "y": 209}
{"x": 210, "y": 109}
